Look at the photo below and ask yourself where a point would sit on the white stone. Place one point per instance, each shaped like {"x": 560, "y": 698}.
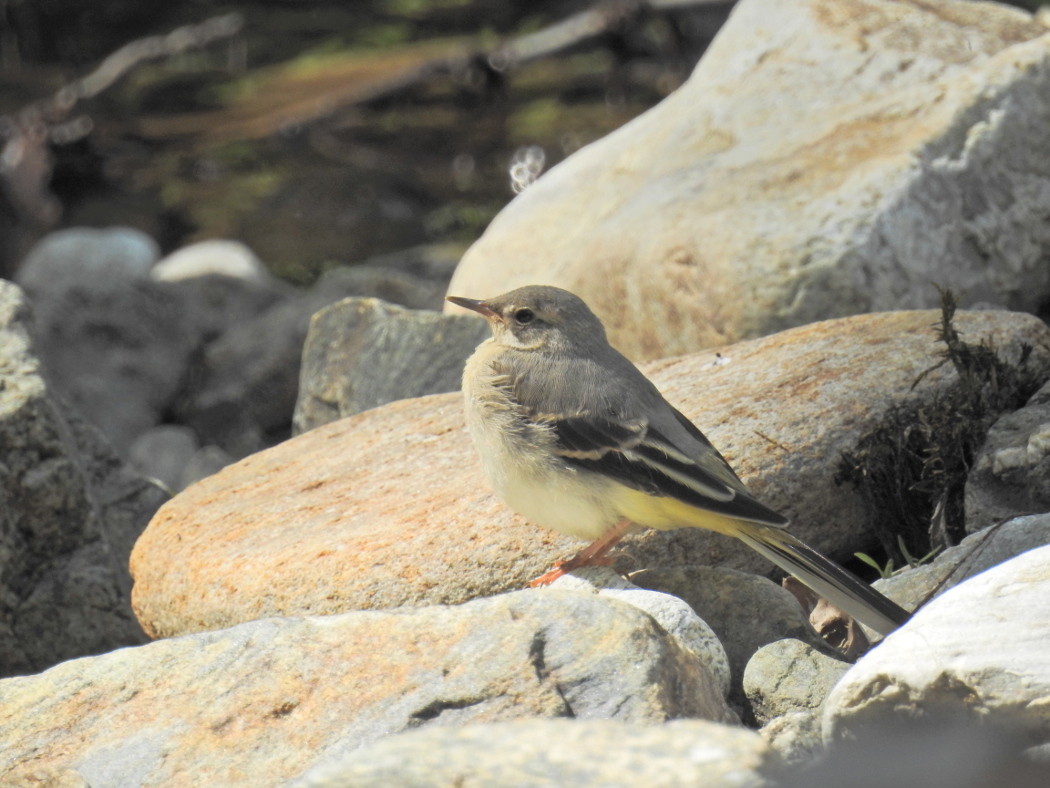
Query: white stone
{"x": 979, "y": 652}
{"x": 220, "y": 257}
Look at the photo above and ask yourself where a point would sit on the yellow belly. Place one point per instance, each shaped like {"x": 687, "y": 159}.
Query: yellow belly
{"x": 665, "y": 514}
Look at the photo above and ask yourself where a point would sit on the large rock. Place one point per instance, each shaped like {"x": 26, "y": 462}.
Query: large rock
{"x": 977, "y": 653}
{"x": 70, "y": 511}
{"x": 390, "y": 507}
{"x": 824, "y": 159}
{"x": 261, "y": 703}
{"x": 362, "y": 352}
{"x": 680, "y": 754}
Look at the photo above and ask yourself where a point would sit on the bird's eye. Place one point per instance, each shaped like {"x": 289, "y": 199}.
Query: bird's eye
{"x": 524, "y": 316}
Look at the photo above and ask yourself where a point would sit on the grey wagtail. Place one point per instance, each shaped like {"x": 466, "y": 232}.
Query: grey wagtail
{"x": 575, "y": 438}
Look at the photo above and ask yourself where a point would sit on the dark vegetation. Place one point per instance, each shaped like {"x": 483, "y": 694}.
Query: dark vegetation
{"x": 912, "y": 470}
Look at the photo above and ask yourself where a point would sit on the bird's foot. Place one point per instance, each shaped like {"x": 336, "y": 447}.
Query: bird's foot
{"x": 562, "y": 568}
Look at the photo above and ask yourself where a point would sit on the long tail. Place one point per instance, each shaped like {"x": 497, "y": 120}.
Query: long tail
{"x": 839, "y": 586}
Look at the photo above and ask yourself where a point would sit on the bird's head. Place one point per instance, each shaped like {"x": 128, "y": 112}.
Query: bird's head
{"x": 538, "y": 316}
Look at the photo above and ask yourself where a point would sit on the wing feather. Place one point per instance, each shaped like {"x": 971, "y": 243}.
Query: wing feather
{"x": 635, "y": 454}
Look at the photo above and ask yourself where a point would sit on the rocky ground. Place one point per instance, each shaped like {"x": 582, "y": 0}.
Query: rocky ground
{"x": 190, "y": 594}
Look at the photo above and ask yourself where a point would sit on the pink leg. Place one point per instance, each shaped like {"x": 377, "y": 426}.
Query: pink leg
{"x": 593, "y": 554}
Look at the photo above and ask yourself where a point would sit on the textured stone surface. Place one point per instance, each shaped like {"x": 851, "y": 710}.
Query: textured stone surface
{"x": 977, "y": 653}
{"x": 362, "y": 352}
{"x": 680, "y": 754}
{"x": 1011, "y": 473}
{"x": 824, "y": 159}
{"x": 794, "y": 736}
{"x": 788, "y": 676}
{"x": 746, "y": 611}
{"x": 390, "y": 507}
{"x": 670, "y": 612}
{"x": 259, "y": 704}
{"x": 69, "y": 513}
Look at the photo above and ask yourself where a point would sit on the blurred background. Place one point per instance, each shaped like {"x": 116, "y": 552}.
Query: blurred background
{"x": 318, "y": 133}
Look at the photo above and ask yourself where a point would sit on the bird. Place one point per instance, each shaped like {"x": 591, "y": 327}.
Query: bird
{"x": 575, "y": 438}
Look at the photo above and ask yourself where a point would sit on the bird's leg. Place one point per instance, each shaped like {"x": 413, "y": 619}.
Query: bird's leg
{"x": 593, "y": 554}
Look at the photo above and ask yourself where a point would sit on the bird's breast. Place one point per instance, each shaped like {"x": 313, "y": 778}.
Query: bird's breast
{"x": 517, "y": 455}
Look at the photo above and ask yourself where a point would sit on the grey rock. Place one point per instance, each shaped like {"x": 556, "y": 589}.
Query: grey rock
{"x": 670, "y": 612}
{"x": 163, "y": 452}
{"x": 683, "y": 753}
{"x": 1011, "y": 473}
{"x": 976, "y": 654}
{"x": 244, "y": 392}
{"x": 85, "y": 252}
{"x": 975, "y": 554}
{"x": 207, "y": 461}
{"x": 362, "y": 353}
{"x": 115, "y": 344}
{"x": 218, "y": 303}
{"x": 70, "y": 511}
{"x": 745, "y": 611}
{"x": 260, "y": 703}
{"x": 795, "y": 736}
{"x": 788, "y": 676}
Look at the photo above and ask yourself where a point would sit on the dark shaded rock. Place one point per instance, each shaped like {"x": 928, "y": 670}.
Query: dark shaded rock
{"x": 1011, "y": 473}
{"x": 220, "y": 302}
{"x": 70, "y": 511}
{"x": 163, "y": 452}
{"x": 362, "y": 353}
{"x": 245, "y": 388}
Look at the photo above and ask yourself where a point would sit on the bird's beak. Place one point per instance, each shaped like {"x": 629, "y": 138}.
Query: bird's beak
{"x": 480, "y": 307}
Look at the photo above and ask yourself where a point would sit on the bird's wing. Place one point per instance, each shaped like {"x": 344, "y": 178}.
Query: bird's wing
{"x": 638, "y": 455}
